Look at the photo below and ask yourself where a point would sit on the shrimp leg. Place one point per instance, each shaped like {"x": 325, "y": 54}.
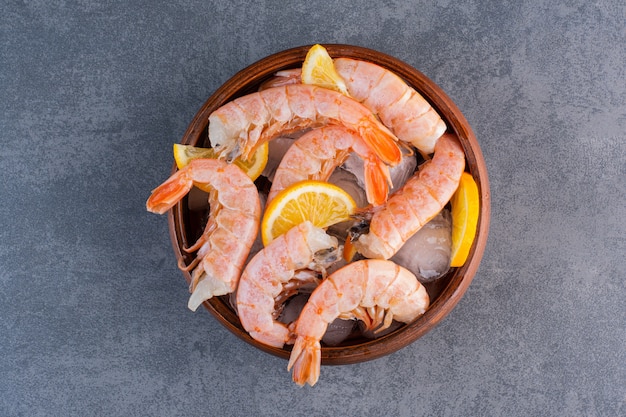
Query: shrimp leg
{"x": 234, "y": 216}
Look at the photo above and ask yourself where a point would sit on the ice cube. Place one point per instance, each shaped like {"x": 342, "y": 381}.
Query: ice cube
{"x": 349, "y": 183}
{"x": 338, "y": 331}
{"x": 399, "y": 173}
{"x": 354, "y": 165}
{"x": 276, "y": 150}
{"x": 427, "y": 253}
{"x": 292, "y": 308}
{"x": 403, "y": 171}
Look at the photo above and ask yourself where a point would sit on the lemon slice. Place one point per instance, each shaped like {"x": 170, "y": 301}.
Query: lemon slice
{"x": 322, "y": 203}
{"x": 318, "y": 69}
{"x": 253, "y": 167}
{"x": 465, "y": 210}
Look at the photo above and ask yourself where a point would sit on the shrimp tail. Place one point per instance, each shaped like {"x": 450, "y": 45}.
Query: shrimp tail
{"x": 383, "y": 143}
{"x": 166, "y": 195}
{"x": 305, "y": 360}
{"x": 377, "y": 181}
{"x": 207, "y": 287}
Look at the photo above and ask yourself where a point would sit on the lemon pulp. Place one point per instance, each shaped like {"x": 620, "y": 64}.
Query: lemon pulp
{"x": 318, "y": 69}
{"x": 322, "y": 203}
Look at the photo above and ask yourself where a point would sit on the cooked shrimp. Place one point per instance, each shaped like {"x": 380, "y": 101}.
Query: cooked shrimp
{"x": 375, "y": 291}
{"x": 241, "y": 125}
{"x": 416, "y": 203}
{"x": 233, "y": 224}
{"x": 270, "y": 272}
{"x": 402, "y": 109}
{"x": 316, "y": 154}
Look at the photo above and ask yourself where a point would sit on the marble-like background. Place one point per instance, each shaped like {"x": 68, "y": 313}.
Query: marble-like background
{"x": 93, "y": 317}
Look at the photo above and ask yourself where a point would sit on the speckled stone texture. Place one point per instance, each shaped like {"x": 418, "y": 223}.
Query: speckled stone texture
{"x": 93, "y": 317}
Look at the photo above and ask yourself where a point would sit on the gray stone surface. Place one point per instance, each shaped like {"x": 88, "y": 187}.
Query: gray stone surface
{"x": 93, "y": 317}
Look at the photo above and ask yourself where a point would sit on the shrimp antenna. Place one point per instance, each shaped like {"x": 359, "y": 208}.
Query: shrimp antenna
{"x": 192, "y": 265}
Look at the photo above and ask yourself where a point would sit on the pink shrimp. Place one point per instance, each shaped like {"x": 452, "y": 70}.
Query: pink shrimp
{"x": 233, "y": 223}
{"x": 270, "y": 272}
{"x": 402, "y": 109}
{"x": 416, "y": 203}
{"x": 241, "y": 125}
{"x": 375, "y": 291}
{"x": 316, "y": 154}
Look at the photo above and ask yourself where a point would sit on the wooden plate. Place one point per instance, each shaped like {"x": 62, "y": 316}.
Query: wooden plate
{"x": 445, "y": 293}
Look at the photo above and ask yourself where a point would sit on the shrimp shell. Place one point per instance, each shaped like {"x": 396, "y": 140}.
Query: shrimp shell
{"x": 402, "y": 109}
{"x": 270, "y": 271}
{"x": 375, "y": 291}
{"x": 416, "y": 203}
{"x": 241, "y": 125}
{"x": 233, "y": 224}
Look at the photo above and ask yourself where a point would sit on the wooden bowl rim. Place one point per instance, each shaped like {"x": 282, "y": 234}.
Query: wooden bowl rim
{"x": 255, "y": 74}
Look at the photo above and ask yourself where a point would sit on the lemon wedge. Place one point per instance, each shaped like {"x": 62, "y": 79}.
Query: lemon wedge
{"x": 465, "y": 210}
{"x": 322, "y": 203}
{"x": 318, "y": 69}
{"x": 183, "y": 154}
